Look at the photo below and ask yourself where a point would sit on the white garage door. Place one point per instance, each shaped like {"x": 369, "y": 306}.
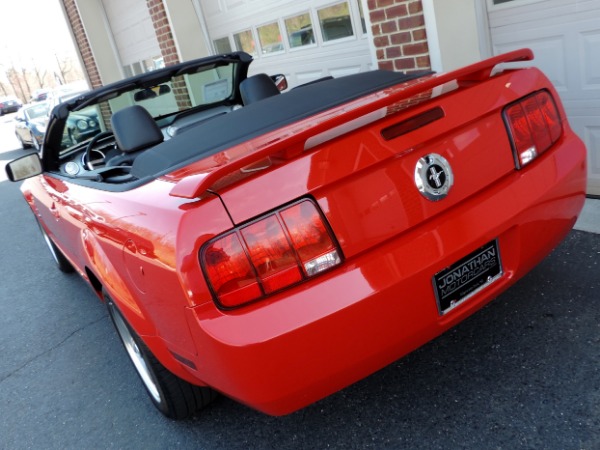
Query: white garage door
{"x": 134, "y": 35}
{"x": 304, "y": 39}
{"x": 565, "y": 37}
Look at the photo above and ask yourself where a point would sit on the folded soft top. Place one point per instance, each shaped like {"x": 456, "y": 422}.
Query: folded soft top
{"x": 227, "y": 130}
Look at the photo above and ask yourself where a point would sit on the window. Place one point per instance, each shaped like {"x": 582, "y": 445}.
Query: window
{"x": 300, "y": 30}
{"x": 147, "y": 65}
{"x": 245, "y": 41}
{"x": 222, "y": 45}
{"x": 362, "y": 17}
{"x": 269, "y": 37}
{"x": 335, "y": 22}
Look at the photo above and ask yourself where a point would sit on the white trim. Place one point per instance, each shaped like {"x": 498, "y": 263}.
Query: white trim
{"x": 483, "y": 29}
{"x": 512, "y": 4}
{"x": 369, "y": 33}
{"x": 76, "y": 43}
{"x": 200, "y": 13}
{"x": 433, "y": 40}
{"x": 113, "y": 43}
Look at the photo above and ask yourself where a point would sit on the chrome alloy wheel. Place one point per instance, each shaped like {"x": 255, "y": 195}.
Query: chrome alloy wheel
{"x": 136, "y": 355}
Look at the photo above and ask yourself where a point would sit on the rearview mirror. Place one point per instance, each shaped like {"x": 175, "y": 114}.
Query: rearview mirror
{"x": 25, "y": 167}
{"x": 153, "y": 92}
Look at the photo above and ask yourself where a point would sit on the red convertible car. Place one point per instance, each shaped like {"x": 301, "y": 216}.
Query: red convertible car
{"x": 277, "y": 247}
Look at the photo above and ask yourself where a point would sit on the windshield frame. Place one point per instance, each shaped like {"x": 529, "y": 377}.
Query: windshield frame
{"x": 54, "y": 150}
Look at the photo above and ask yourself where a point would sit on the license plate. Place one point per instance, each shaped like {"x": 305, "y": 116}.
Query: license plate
{"x": 466, "y": 277}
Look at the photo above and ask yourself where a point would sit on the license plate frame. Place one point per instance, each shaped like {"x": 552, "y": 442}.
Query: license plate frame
{"x": 466, "y": 277}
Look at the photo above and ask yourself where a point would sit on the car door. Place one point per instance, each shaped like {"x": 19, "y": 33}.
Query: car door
{"x": 21, "y": 128}
{"x": 53, "y": 202}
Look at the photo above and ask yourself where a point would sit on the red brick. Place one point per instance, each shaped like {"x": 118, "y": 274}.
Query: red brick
{"x": 419, "y": 35}
{"x": 384, "y": 3}
{"x": 377, "y": 15}
{"x": 396, "y": 11}
{"x": 390, "y": 26}
{"x": 376, "y": 30}
{"x": 411, "y": 22}
{"x": 415, "y": 49}
{"x": 415, "y": 7}
{"x": 404, "y": 64}
{"x": 393, "y": 52}
{"x": 386, "y": 65}
{"x": 381, "y": 41}
{"x": 423, "y": 62}
{"x": 400, "y": 38}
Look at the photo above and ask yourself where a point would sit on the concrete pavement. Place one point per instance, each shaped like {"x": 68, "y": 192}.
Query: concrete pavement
{"x": 589, "y": 220}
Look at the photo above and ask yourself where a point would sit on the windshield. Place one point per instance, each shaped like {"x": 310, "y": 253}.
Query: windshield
{"x": 163, "y": 101}
{"x": 37, "y": 111}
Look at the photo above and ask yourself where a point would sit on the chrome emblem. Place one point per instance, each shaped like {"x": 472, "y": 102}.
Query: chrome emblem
{"x": 433, "y": 177}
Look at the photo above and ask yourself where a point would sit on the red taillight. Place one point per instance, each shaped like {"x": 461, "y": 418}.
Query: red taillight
{"x": 270, "y": 254}
{"x": 534, "y": 125}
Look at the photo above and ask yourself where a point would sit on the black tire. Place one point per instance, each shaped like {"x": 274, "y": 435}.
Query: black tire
{"x": 172, "y": 396}
{"x": 62, "y": 263}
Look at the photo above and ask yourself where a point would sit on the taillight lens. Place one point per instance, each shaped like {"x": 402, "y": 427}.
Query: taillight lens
{"x": 534, "y": 126}
{"x": 278, "y": 250}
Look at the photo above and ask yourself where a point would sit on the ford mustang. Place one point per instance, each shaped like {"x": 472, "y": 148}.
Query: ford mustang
{"x": 275, "y": 246}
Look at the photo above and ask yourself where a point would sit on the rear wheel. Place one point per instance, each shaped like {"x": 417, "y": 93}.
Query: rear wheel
{"x": 61, "y": 261}
{"x": 172, "y": 396}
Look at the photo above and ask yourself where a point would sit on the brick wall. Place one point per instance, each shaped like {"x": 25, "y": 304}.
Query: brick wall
{"x": 399, "y": 35}
{"x": 162, "y": 27}
{"x": 82, "y": 43}
{"x": 168, "y": 50}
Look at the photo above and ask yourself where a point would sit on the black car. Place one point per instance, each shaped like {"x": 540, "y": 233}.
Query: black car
{"x": 9, "y": 105}
{"x": 30, "y": 125}
{"x": 80, "y": 126}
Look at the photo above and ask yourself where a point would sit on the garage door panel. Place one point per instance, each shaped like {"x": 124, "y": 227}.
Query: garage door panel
{"x": 547, "y": 11}
{"x": 549, "y": 53}
{"x": 590, "y": 60}
{"x": 590, "y": 133}
{"x": 303, "y": 39}
{"x": 565, "y": 38}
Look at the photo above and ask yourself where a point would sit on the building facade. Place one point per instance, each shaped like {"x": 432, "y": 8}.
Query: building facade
{"x": 309, "y": 39}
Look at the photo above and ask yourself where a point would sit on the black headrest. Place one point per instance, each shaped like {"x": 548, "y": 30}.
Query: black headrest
{"x": 135, "y": 129}
{"x": 257, "y": 87}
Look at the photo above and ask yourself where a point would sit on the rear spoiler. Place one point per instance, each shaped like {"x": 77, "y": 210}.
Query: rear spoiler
{"x": 194, "y": 186}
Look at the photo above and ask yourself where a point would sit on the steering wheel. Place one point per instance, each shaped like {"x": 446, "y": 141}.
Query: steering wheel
{"x": 87, "y": 155}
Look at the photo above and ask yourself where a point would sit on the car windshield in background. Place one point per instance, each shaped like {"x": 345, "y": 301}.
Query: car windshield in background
{"x": 163, "y": 101}
{"x": 37, "y": 111}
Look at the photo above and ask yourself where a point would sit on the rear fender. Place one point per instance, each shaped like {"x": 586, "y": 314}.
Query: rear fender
{"x": 109, "y": 277}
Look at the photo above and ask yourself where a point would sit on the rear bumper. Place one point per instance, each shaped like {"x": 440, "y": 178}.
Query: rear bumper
{"x": 312, "y": 340}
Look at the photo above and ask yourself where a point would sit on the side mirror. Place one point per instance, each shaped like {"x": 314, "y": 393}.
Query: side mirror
{"x": 280, "y": 81}
{"x": 24, "y": 167}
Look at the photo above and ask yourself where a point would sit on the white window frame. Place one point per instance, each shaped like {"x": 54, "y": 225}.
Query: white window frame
{"x": 511, "y": 4}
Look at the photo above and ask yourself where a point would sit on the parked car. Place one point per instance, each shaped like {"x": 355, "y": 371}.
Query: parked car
{"x": 9, "y": 104}
{"x": 30, "y": 125}
{"x": 40, "y": 95}
{"x": 81, "y": 125}
{"x": 277, "y": 247}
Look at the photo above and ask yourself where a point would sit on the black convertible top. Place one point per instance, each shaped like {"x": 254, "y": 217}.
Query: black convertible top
{"x": 225, "y": 131}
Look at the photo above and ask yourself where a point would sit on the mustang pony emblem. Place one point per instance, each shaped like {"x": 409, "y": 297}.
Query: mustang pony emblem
{"x": 433, "y": 177}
